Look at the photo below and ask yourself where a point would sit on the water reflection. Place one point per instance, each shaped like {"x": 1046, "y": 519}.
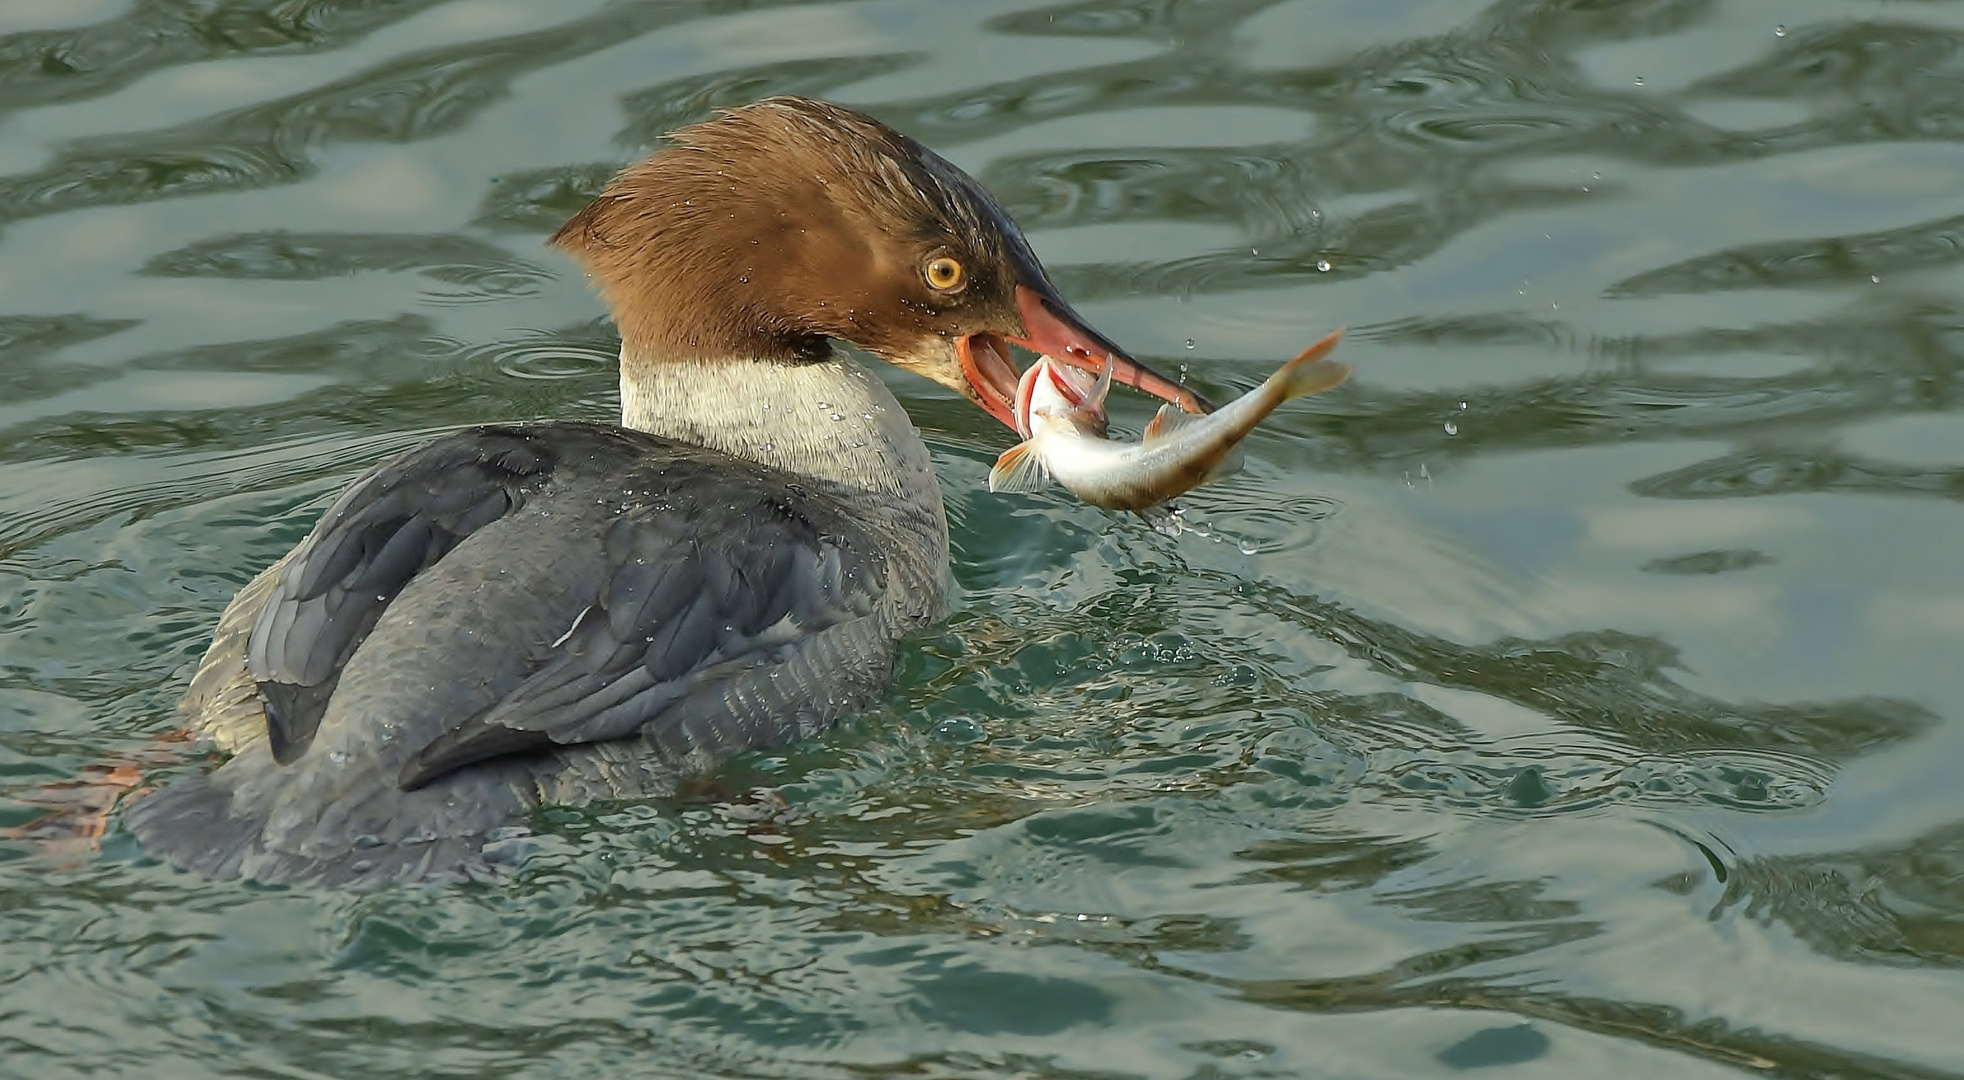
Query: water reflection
{"x": 1816, "y": 262}
{"x": 1892, "y": 904}
{"x": 1866, "y": 81}
{"x": 44, "y": 67}
{"x": 481, "y": 268}
{"x": 30, "y": 344}
{"x": 426, "y": 94}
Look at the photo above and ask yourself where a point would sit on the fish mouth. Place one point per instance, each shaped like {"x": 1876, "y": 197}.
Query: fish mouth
{"x": 1076, "y": 392}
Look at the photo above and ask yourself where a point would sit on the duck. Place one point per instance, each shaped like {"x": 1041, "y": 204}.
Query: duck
{"x": 561, "y": 612}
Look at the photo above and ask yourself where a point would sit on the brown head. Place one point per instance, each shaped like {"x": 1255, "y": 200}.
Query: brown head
{"x": 770, "y": 230}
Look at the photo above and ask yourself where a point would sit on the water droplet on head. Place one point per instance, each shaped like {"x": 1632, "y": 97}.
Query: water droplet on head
{"x": 1247, "y": 546}
{"x": 1452, "y": 428}
{"x": 1323, "y": 266}
{"x": 1780, "y": 30}
{"x": 838, "y": 416}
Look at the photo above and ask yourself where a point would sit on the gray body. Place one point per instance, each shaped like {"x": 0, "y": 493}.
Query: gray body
{"x": 558, "y": 613}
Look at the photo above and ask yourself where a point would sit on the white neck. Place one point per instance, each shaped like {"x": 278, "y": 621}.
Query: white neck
{"x": 832, "y": 419}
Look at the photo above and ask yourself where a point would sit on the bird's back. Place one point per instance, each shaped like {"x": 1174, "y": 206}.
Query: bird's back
{"x": 515, "y": 616}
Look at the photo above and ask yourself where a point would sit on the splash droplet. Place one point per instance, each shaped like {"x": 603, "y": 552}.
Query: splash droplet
{"x": 1640, "y": 80}
{"x": 1595, "y": 176}
{"x": 1875, "y": 279}
{"x": 1189, "y": 343}
{"x": 1780, "y": 30}
{"x": 1323, "y": 266}
{"x": 1452, "y": 428}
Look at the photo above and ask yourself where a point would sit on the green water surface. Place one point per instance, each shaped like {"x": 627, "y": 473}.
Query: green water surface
{"x": 1575, "y": 693}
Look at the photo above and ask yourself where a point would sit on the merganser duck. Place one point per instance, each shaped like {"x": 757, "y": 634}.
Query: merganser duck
{"x": 560, "y": 612}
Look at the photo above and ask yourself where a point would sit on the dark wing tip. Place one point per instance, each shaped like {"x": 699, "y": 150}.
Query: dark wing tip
{"x": 293, "y": 713}
{"x": 468, "y": 744}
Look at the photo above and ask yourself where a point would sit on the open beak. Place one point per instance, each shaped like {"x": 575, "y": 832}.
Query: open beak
{"x": 1051, "y": 328}
{"x": 1054, "y": 330}
{"x": 990, "y": 374}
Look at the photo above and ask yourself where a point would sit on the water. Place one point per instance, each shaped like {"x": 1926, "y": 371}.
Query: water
{"x": 1617, "y": 734}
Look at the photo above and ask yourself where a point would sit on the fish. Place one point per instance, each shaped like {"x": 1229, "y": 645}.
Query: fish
{"x": 1060, "y": 412}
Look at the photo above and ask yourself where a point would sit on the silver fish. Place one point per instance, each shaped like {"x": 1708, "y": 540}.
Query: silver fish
{"x": 1061, "y": 414}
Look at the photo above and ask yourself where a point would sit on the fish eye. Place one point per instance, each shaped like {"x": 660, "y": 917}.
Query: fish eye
{"x": 945, "y": 274}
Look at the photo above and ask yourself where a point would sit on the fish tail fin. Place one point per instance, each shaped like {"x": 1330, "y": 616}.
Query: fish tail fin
{"x": 1018, "y": 469}
{"x": 1309, "y": 373}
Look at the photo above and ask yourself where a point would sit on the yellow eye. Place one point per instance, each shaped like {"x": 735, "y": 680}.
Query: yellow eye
{"x": 945, "y": 274}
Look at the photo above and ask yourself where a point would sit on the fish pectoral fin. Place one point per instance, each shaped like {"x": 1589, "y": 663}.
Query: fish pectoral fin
{"x": 1167, "y": 421}
{"x": 1018, "y": 469}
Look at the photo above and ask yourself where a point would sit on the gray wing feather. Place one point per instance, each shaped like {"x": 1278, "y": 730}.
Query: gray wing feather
{"x": 714, "y": 607}
{"x": 686, "y": 603}
{"x": 389, "y": 526}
